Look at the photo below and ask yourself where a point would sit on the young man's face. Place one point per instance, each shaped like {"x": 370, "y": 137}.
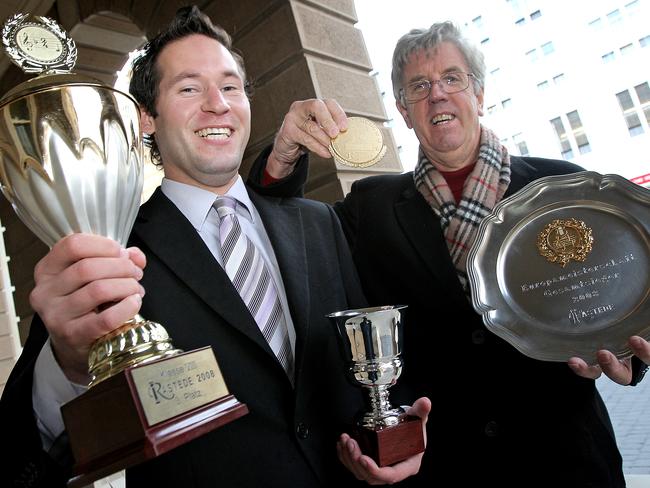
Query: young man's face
{"x": 447, "y": 125}
{"x": 203, "y": 121}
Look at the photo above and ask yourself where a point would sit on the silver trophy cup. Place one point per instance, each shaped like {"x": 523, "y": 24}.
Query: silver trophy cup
{"x": 371, "y": 342}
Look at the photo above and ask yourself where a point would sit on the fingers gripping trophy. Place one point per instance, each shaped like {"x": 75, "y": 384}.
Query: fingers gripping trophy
{"x": 71, "y": 161}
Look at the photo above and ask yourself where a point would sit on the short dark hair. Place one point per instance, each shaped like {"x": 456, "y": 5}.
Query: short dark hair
{"x": 145, "y": 75}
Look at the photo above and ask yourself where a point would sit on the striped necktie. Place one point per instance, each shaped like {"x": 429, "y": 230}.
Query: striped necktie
{"x": 249, "y": 274}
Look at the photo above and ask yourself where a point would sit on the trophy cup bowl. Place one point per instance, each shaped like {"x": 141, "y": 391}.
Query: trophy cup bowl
{"x": 371, "y": 344}
{"x": 71, "y": 162}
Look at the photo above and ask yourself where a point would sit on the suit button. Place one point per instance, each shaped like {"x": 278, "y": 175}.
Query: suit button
{"x": 491, "y": 429}
{"x": 302, "y": 430}
{"x": 478, "y": 336}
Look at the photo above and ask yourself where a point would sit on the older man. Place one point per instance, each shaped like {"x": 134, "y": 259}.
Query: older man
{"x": 499, "y": 417}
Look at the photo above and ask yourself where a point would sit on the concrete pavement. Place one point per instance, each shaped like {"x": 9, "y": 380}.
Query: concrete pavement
{"x": 629, "y": 409}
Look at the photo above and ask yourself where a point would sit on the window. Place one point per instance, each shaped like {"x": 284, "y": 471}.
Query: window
{"x": 485, "y": 41}
{"x": 547, "y": 48}
{"x": 596, "y": 24}
{"x": 558, "y": 79}
{"x": 609, "y": 57}
{"x": 506, "y": 103}
{"x": 578, "y": 132}
{"x": 627, "y": 49}
{"x": 521, "y": 144}
{"x": 563, "y": 138}
{"x": 634, "y": 126}
{"x": 632, "y": 7}
{"x": 492, "y": 109}
{"x": 542, "y": 86}
{"x": 495, "y": 71}
{"x": 644, "y": 41}
{"x": 535, "y": 15}
{"x": 643, "y": 92}
{"x": 532, "y": 55}
{"x": 521, "y": 22}
{"x": 478, "y": 21}
{"x": 614, "y": 17}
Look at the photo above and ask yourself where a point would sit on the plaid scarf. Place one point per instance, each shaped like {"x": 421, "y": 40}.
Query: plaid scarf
{"x": 483, "y": 189}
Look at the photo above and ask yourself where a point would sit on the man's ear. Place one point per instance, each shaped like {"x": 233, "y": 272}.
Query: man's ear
{"x": 404, "y": 112}
{"x": 479, "y": 99}
{"x": 147, "y": 122}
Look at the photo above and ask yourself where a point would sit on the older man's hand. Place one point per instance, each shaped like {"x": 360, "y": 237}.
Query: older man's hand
{"x": 619, "y": 371}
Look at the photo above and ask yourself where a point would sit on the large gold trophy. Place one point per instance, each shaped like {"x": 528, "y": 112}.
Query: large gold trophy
{"x": 71, "y": 161}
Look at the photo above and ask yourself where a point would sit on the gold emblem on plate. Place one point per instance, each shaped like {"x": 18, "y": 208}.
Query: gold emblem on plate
{"x": 564, "y": 240}
{"x": 38, "y": 44}
{"x": 360, "y": 146}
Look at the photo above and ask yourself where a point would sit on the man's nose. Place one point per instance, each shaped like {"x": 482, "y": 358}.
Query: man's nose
{"x": 215, "y": 101}
{"x": 437, "y": 93}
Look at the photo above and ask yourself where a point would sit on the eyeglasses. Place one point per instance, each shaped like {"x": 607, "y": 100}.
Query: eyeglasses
{"x": 453, "y": 82}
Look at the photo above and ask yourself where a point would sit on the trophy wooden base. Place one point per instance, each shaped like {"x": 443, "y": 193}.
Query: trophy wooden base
{"x": 393, "y": 444}
{"x": 130, "y": 418}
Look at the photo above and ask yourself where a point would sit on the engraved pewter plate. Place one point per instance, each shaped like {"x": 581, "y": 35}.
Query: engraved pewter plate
{"x": 561, "y": 268}
{"x": 38, "y": 44}
{"x": 360, "y": 146}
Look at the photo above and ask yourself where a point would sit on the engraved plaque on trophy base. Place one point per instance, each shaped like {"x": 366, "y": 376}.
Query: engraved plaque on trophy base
{"x": 145, "y": 411}
{"x": 390, "y": 445}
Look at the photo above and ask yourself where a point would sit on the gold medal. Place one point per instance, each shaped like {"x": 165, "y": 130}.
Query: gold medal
{"x": 564, "y": 240}
{"x": 360, "y": 146}
{"x": 38, "y": 44}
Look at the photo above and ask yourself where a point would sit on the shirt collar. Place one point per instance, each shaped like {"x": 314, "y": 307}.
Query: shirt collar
{"x": 195, "y": 203}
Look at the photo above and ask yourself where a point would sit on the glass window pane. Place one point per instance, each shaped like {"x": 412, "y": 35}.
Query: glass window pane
{"x": 644, "y": 41}
{"x": 563, "y": 138}
{"x": 535, "y": 15}
{"x": 627, "y": 49}
{"x": 629, "y": 113}
{"x": 547, "y": 48}
{"x": 532, "y": 55}
{"x": 557, "y": 79}
{"x": 596, "y": 24}
{"x": 614, "y": 17}
{"x": 643, "y": 92}
{"x": 578, "y": 131}
{"x": 522, "y": 147}
{"x": 609, "y": 57}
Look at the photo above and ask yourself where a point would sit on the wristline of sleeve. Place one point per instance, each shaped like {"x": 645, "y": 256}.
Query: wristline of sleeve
{"x": 290, "y": 186}
{"x": 639, "y": 369}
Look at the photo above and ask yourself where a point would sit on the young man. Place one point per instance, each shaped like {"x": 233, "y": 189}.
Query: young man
{"x": 197, "y": 116}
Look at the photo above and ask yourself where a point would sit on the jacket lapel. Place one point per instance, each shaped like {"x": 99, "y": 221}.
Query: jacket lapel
{"x": 283, "y": 224}
{"x": 171, "y": 237}
{"x": 422, "y": 228}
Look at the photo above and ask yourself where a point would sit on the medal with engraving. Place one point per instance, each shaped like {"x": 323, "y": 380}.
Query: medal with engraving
{"x": 360, "y": 146}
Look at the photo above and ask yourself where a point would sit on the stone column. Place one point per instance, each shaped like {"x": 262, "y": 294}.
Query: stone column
{"x": 296, "y": 50}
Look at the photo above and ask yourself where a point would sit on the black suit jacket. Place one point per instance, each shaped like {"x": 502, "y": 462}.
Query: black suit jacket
{"x": 289, "y": 436}
{"x": 499, "y": 418}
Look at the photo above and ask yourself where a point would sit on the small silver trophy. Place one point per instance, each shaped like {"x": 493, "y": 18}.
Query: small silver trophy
{"x": 371, "y": 343}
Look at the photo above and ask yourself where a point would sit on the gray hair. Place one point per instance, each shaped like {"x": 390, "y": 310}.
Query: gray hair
{"x": 420, "y": 39}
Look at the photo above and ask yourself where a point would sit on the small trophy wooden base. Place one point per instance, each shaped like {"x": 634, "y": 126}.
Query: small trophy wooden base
{"x": 393, "y": 444}
{"x": 145, "y": 411}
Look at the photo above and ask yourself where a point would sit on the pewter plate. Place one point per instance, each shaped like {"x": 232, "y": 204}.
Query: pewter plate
{"x": 551, "y": 312}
